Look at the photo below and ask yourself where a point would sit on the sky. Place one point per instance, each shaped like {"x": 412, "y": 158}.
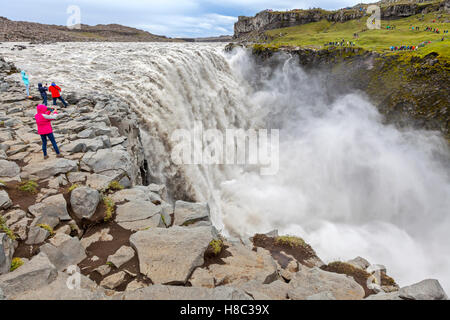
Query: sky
{"x": 172, "y": 18}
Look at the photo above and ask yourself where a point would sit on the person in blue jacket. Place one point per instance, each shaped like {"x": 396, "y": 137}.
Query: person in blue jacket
{"x": 43, "y": 91}
{"x": 26, "y": 82}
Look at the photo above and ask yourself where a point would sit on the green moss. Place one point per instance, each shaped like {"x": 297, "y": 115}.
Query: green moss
{"x": 6, "y": 229}
{"x": 46, "y": 227}
{"x": 29, "y": 186}
{"x": 16, "y": 263}
{"x": 110, "y": 264}
{"x": 290, "y": 241}
{"x": 73, "y": 187}
{"x": 109, "y": 208}
{"x": 115, "y": 186}
{"x": 216, "y": 247}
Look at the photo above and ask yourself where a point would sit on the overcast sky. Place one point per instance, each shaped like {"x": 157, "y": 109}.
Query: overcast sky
{"x": 173, "y": 18}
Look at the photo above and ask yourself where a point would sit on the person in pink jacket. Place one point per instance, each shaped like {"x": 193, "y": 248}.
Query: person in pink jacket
{"x": 44, "y": 117}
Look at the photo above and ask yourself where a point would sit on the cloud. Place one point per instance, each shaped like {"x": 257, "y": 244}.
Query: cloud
{"x": 173, "y": 18}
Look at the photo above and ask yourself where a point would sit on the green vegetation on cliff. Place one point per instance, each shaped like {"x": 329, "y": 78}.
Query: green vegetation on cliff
{"x": 315, "y": 35}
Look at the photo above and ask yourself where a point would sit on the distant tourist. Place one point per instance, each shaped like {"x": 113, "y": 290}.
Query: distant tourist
{"x": 43, "y": 91}
{"x": 26, "y": 82}
{"x": 56, "y": 94}
{"x": 43, "y": 120}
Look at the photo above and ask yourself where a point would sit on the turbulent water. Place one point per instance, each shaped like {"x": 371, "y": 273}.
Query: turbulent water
{"x": 347, "y": 183}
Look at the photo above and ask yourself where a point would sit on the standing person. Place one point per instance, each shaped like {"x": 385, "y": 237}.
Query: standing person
{"x": 43, "y": 91}
{"x": 26, "y": 82}
{"x": 56, "y": 94}
{"x": 43, "y": 120}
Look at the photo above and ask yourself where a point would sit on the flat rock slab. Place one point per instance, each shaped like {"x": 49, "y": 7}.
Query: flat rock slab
{"x": 168, "y": 256}
{"x": 308, "y": 282}
{"x": 70, "y": 252}
{"x": 122, "y": 256}
{"x": 160, "y": 292}
{"x": 136, "y": 211}
{"x": 52, "y": 206}
{"x": 59, "y": 290}
{"x": 245, "y": 265}
{"x": 49, "y": 168}
{"x": 188, "y": 213}
{"x": 34, "y": 274}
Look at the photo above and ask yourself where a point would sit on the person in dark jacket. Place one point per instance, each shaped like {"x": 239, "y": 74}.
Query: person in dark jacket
{"x": 43, "y": 91}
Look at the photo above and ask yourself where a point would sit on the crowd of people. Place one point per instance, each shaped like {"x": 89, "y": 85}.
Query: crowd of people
{"x": 45, "y": 115}
{"x": 342, "y": 43}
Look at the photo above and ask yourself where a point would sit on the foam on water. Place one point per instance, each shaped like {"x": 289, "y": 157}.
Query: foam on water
{"x": 348, "y": 184}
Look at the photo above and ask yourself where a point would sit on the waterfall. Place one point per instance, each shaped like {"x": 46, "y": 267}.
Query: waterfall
{"x": 349, "y": 184}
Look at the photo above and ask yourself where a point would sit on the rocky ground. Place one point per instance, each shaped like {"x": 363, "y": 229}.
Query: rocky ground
{"x": 93, "y": 211}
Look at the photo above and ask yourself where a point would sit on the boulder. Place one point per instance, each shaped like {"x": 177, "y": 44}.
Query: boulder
{"x": 424, "y": 290}
{"x": 84, "y": 201}
{"x": 59, "y": 290}
{"x": 35, "y": 274}
{"x": 52, "y": 206}
{"x": 242, "y": 265}
{"x": 359, "y": 263}
{"x": 84, "y": 145}
{"x": 139, "y": 215}
{"x": 50, "y": 168}
{"x": 187, "y": 213}
{"x": 70, "y": 252}
{"x": 5, "y": 201}
{"x": 160, "y": 292}
{"x": 37, "y": 235}
{"x": 98, "y": 181}
{"x": 113, "y": 281}
{"x": 277, "y": 290}
{"x": 168, "y": 256}
{"x": 6, "y": 253}
{"x": 8, "y": 169}
{"x": 109, "y": 162}
{"x": 308, "y": 282}
{"x": 122, "y": 256}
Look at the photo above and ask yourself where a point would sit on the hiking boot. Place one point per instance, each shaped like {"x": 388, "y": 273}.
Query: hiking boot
{"x": 46, "y": 157}
{"x": 60, "y": 156}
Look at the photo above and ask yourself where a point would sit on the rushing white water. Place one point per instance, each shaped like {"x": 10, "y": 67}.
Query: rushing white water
{"x": 348, "y": 184}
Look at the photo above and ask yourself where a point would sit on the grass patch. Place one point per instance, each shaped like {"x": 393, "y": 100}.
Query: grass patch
{"x": 316, "y": 34}
{"x": 47, "y": 227}
{"x": 29, "y": 186}
{"x": 109, "y": 208}
{"x": 16, "y": 263}
{"x": 6, "y": 229}
{"x": 290, "y": 241}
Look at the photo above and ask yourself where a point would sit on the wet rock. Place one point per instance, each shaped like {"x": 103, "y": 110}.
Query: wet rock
{"x": 8, "y": 169}
{"x": 168, "y": 256}
{"x": 424, "y": 290}
{"x": 6, "y": 253}
{"x": 70, "y": 252}
{"x": 122, "y": 256}
{"x": 52, "y": 206}
{"x": 5, "y": 201}
{"x": 36, "y": 273}
{"x": 160, "y": 292}
{"x": 308, "y": 282}
{"x": 84, "y": 201}
{"x": 187, "y": 213}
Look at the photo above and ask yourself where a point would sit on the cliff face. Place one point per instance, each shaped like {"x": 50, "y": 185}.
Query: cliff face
{"x": 250, "y": 27}
{"x": 407, "y": 89}
{"x": 18, "y": 31}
